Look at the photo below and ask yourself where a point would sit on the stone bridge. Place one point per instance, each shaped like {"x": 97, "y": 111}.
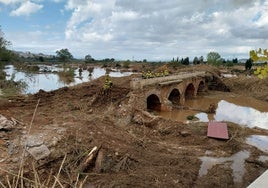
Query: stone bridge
{"x": 163, "y": 92}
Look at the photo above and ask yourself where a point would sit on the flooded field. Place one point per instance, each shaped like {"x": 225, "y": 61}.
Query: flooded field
{"x": 237, "y": 109}
{"x": 48, "y": 79}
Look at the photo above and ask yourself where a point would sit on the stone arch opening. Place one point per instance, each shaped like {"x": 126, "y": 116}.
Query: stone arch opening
{"x": 189, "y": 92}
{"x": 174, "y": 96}
{"x": 153, "y": 103}
{"x": 201, "y": 88}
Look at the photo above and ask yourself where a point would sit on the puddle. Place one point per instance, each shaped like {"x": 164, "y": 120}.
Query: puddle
{"x": 246, "y": 116}
{"x": 228, "y": 75}
{"x": 240, "y": 110}
{"x": 259, "y": 141}
{"x": 236, "y": 163}
{"x": 50, "y": 81}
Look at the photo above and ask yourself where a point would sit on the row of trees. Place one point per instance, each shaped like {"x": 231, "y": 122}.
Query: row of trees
{"x": 213, "y": 58}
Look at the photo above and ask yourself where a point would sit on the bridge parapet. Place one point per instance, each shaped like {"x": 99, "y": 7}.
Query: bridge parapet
{"x": 139, "y": 83}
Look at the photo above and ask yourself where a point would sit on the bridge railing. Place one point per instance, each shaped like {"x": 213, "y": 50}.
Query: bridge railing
{"x": 139, "y": 83}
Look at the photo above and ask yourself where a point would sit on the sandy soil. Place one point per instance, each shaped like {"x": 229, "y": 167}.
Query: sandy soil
{"x": 132, "y": 151}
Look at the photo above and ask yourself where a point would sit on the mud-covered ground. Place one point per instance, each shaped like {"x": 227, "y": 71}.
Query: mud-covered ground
{"x": 133, "y": 148}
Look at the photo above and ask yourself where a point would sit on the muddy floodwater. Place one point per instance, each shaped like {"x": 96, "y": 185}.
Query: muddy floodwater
{"x": 235, "y": 161}
{"x": 241, "y": 110}
{"x": 48, "y": 79}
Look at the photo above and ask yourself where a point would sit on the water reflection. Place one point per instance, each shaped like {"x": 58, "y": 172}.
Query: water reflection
{"x": 241, "y": 115}
{"x": 226, "y": 111}
{"x": 259, "y": 141}
{"x": 237, "y": 164}
{"x": 48, "y": 79}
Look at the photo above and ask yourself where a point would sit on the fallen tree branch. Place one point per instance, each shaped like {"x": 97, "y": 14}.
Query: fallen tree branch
{"x": 89, "y": 160}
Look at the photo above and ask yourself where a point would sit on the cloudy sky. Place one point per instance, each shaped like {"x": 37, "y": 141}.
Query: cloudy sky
{"x": 136, "y": 29}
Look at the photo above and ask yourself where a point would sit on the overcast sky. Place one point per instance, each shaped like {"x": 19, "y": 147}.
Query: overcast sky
{"x": 136, "y": 29}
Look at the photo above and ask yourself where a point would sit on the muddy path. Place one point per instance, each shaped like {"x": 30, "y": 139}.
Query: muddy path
{"x": 57, "y": 130}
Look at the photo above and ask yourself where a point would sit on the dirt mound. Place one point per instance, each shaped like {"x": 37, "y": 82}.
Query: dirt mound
{"x": 133, "y": 148}
{"x": 248, "y": 86}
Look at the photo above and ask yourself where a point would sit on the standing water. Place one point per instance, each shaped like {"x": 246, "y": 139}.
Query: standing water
{"x": 237, "y": 109}
{"x": 50, "y": 81}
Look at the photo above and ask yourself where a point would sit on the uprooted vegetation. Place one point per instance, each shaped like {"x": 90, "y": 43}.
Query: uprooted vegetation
{"x": 100, "y": 141}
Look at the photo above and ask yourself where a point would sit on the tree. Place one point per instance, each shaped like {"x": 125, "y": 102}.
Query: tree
{"x": 248, "y": 64}
{"x": 195, "y": 61}
{"x": 64, "y": 55}
{"x": 88, "y": 59}
{"x": 5, "y": 54}
{"x": 235, "y": 60}
{"x": 3, "y": 42}
{"x": 186, "y": 61}
{"x": 212, "y": 58}
{"x": 201, "y": 59}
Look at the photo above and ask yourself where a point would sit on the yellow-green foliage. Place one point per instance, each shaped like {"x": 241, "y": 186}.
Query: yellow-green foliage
{"x": 259, "y": 55}
{"x": 261, "y": 72}
{"x": 150, "y": 74}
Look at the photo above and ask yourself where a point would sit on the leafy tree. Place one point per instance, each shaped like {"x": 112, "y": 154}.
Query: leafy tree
{"x": 88, "y": 59}
{"x": 235, "y": 61}
{"x": 212, "y": 58}
{"x": 3, "y": 42}
{"x": 5, "y": 54}
{"x": 201, "y": 59}
{"x": 41, "y": 59}
{"x": 64, "y": 55}
{"x": 248, "y": 64}
{"x": 195, "y": 61}
{"x": 186, "y": 61}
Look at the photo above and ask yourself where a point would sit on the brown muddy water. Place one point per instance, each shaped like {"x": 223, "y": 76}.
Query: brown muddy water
{"x": 244, "y": 111}
{"x": 235, "y": 161}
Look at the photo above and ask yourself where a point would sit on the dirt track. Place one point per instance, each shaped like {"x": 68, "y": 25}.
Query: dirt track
{"x": 158, "y": 153}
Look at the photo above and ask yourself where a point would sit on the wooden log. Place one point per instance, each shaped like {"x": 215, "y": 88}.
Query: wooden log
{"x": 99, "y": 160}
{"x": 89, "y": 160}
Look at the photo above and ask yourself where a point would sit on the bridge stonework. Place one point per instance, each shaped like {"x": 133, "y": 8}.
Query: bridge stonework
{"x": 166, "y": 91}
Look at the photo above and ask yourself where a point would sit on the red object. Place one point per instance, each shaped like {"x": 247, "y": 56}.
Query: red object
{"x": 217, "y": 130}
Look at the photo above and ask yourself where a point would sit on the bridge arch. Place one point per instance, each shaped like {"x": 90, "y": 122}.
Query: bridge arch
{"x": 153, "y": 102}
{"x": 201, "y": 87}
{"x": 175, "y": 96}
{"x": 189, "y": 91}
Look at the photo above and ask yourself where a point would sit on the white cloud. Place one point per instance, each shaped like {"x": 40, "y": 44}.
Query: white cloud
{"x": 167, "y": 27}
{"x": 8, "y": 2}
{"x": 57, "y": 1}
{"x": 157, "y": 29}
{"x": 26, "y": 8}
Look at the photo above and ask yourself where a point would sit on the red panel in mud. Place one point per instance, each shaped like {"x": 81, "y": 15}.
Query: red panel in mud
{"x": 217, "y": 130}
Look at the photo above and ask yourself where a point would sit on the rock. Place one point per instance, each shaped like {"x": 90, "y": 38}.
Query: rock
{"x": 3, "y": 135}
{"x": 5, "y": 124}
{"x": 39, "y": 152}
{"x": 12, "y": 147}
{"x": 185, "y": 133}
{"x": 34, "y": 140}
